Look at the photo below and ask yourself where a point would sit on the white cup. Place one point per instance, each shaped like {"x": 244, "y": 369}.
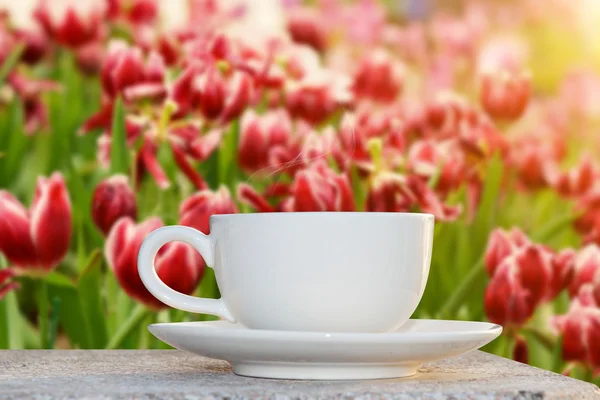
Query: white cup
{"x": 305, "y": 271}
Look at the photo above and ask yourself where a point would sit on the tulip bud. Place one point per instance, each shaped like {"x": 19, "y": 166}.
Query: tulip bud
{"x": 112, "y": 199}
{"x": 196, "y": 210}
{"x": 15, "y": 237}
{"x": 38, "y": 239}
{"x": 51, "y": 220}
{"x": 177, "y": 264}
{"x": 505, "y": 96}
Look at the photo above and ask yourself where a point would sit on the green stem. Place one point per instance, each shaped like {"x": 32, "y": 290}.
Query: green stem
{"x": 463, "y": 291}
{"x": 43, "y": 310}
{"x": 543, "y": 338}
{"x": 138, "y": 315}
{"x": 553, "y": 227}
{"x": 54, "y": 319}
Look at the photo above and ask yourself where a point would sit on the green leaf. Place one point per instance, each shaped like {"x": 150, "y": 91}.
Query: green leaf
{"x": 228, "y": 169}
{"x": 488, "y": 206}
{"x": 137, "y": 317}
{"x": 57, "y": 279}
{"x": 89, "y": 286}
{"x": 11, "y": 336}
{"x": 11, "y": 61}
{"x": 72, "y": 317}
{"x": 16, "y": 144}
{"x": 119, "y": 156}
{"x": 358, "y": 188}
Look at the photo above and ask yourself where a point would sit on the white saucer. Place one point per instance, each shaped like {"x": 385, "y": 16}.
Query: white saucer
{"x": 316, "y": 355}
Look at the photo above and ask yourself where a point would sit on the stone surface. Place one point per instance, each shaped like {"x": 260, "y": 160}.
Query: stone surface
{"x": 172, "y": 374}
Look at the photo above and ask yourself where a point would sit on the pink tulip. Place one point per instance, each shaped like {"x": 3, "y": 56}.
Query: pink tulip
{"x": 112, "y": 199}
{"x": 37, "y": 239}
{"x": 177, "y": 264}
{"x": 196, "y": 210}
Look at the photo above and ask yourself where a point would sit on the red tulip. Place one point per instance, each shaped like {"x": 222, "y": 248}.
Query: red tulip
{"x": 428, "y": 158}
{"x": 259, "y": 138}
{"x": 588, "y": 208}
{"x": 586, "y": 268}
{"x": 70, "y": 25}
{"x": 520, "y": 283}
{"x": 216, "y": 96}
{"x": 124, "y": 71}
{"x": 133, "y": 11}
{"x": 315, "y": 188}
{"x": 306, "y": 27}
{"x": 196, "y": 210}
{"x": 177, "y": 264}
{"x": 578, "y": 180}
{"x": 580, "y": 329}
{"x": 502, "y": 244}
{"x": 37, "y": 239}
{"x": 505, "y": 95}
{"x": 533, "y": 161}
{"x": 379, "y": 77}
{"x": 317, "y": 96}
{"x": 391, "y": 192}
{"x": 318, "y": 188}
{"x": 112, "y": 199}
{"x": 563, "y": 265}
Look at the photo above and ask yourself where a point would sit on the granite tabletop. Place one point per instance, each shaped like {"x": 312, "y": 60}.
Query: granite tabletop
{"x": 173, "y": 374}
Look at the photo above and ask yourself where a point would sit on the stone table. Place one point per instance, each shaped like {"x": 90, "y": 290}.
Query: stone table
{"x": 172, "y": 374}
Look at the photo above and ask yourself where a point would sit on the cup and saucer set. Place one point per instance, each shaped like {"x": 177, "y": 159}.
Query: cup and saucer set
{"x": 313, "y": 295}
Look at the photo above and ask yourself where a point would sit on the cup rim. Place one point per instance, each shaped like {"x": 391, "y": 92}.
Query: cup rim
{"x": 414, "y": 215}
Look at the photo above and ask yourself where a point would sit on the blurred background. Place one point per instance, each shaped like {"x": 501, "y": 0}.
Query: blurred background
{"x": 121, "y": 116}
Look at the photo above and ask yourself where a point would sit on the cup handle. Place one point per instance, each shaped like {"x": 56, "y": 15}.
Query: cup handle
{"x": 204, "y": 245}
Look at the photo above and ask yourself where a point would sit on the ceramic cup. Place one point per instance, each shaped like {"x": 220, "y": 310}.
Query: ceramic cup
{"x": 306, "y": 271}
